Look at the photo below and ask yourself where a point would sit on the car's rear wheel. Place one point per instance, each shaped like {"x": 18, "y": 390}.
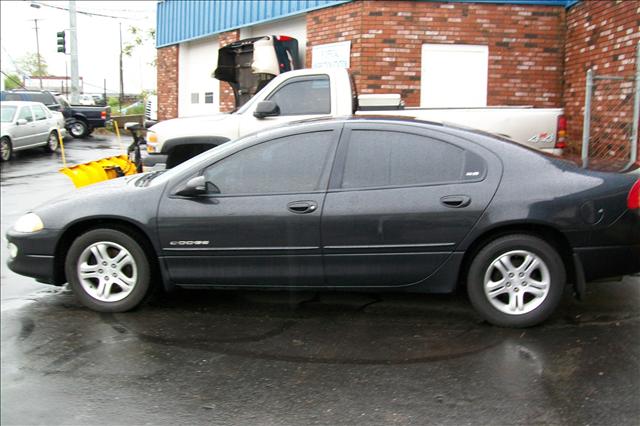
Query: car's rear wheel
{"x": 78, "y": 129}
{"x": 52, "y": 142}
{"x": 108, "y": 270}
{"x": 516, "y": 281}
{"x": 6, "y": 149}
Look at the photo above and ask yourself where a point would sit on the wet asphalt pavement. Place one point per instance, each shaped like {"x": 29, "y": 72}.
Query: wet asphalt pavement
{"x": 276, "y": 358}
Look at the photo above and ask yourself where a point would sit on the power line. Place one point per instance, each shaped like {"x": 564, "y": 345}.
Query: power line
{"x": 89, "y": 13}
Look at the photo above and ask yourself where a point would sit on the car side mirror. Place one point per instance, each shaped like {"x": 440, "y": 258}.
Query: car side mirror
{"x": 21, "y": 122}
{"x": 266, "y": 109}
{"x": 194, "y": 187}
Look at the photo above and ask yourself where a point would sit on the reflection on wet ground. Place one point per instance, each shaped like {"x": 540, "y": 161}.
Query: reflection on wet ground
{"x": 320, "y": 358}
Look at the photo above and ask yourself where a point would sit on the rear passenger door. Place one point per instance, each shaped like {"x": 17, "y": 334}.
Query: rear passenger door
{"x": 41, "y": 124}
{"x": 401, "y": 199}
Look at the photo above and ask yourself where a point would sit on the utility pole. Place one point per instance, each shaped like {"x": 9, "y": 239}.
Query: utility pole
{"x": 38, "y": 53}
{"x": 121, "y": 75}
{"x": 73, "y": 32}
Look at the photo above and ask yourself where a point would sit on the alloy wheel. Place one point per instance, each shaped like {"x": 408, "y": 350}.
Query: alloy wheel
{"x": 517, "y": 282}
{"x": 107, "y": 271}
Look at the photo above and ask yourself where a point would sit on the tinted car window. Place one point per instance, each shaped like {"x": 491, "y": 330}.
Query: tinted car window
{"x": 25, "y": 112}
{"x": 13, "y": 97}
{"x": 387, "y": 158}
{"x": 308, "y": 96}
{"x": 45, "y": 98}
{"x": 296, "y": 163}
{"x": 39, "y": 113}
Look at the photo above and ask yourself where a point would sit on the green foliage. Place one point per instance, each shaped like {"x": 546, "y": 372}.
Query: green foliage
{"x": 140, "y": 38}
{"x": 28, "y": 65}
{"x": 12, "y": 81}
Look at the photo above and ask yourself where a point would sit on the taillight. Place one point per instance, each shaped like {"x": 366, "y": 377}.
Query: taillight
{"x": 633, "y": 199}
{"x": 561, "y": 132}
{"x": 103, "y": 115}
{"x": 283, "y": 38}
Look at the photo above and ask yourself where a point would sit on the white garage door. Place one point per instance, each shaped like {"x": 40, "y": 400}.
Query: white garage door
{"x": 199, "y": 92}
{"x": 454, "y": 76}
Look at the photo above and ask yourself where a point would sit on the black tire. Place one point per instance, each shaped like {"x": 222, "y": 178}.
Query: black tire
{"x": 53, "y": 142}
{"x": 87, "y": 290}
{"x": 6, "y": 149}
{"x": 79, "y": 129}
{"x": 511, "y": 296}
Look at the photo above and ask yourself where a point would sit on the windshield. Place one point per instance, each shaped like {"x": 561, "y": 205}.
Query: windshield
{"x": 7, "y": 113}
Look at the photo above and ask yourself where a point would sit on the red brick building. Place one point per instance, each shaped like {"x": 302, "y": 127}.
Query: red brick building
{"x": 516, "y": 52}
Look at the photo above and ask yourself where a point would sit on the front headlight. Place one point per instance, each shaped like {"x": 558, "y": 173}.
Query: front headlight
{"x": 152, "y": 140}
{"x": 30, "y": 222}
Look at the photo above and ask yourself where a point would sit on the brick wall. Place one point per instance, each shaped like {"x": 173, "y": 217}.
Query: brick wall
{"x": 601, "y": 35}
{"x": 525, "y": 45}
{"x": 168, "y": 82}
{"x": 227, "y": 100}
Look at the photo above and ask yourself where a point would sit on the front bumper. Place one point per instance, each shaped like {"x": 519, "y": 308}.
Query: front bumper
{"x": 606, "y": 262}
{"x": 152, "y": 162}
{"x": 35, "y": 255}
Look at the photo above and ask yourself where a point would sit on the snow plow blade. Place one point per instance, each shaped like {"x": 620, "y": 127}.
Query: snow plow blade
{"x": 99, "y": 170}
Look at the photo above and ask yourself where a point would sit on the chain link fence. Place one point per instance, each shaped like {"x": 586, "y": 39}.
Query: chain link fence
{"x": 612, "y": 106}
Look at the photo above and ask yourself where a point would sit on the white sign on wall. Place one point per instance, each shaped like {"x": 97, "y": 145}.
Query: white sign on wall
{"x": 332, "y": 55}
{"x": 454, "y": 75}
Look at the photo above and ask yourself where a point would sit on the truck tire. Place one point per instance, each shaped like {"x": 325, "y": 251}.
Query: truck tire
{"x": 79, "y": 129}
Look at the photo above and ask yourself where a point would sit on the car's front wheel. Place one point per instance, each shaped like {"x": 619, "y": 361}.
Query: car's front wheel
{"x": 108, "y": 270}
{"x": 6, "y": 150}
{"x": 52, "y": 142}
{"x": 516, "y": 281}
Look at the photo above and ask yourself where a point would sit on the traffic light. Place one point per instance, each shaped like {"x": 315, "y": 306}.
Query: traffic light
{"x": 62, "y": 46}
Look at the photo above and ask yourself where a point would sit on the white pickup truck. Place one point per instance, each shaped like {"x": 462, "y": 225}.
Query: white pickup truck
{"x": 313, "y": 93}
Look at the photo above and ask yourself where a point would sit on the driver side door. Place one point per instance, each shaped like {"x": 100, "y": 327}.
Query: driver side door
{"x": 258, "y": 222}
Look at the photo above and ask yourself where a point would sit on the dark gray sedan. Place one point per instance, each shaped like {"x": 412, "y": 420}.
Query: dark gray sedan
{"x": 353, "y": 203}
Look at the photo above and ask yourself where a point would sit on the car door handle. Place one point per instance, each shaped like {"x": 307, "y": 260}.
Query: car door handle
{"x": 455, "y": 201}
{"x": 302, "y": 207}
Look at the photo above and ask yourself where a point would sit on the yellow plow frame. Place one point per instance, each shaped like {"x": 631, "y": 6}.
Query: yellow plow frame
{"x": 98, "y": 170}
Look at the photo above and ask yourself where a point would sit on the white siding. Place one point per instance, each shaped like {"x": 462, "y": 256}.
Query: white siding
{"x": 454, "y": 75}
{"x": 198, "y": 59}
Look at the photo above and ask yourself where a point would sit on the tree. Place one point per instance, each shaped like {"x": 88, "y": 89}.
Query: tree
{"x": 140, "y": 38}
{"x": 12, "y": 81}
{"x": 28, "y": 65}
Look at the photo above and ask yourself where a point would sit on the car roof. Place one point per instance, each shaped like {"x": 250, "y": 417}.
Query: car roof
{"x": 21, "y": 103}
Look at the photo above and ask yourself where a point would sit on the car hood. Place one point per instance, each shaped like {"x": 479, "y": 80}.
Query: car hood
{"x": 116, "y": 198}
{"x": 201, "y": 125}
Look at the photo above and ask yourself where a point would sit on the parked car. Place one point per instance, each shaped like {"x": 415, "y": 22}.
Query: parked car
{"x": 79, "y": 120}
{"x": 82, "y": 120}
{"x": 310, "y": 93}
{"x": 86, "y": 100}
{"x": 375, "y": 204}
{"x": 28, "y": 125}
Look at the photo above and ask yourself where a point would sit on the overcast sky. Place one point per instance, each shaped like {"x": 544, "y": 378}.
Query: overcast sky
{"x": 98, "y": 40}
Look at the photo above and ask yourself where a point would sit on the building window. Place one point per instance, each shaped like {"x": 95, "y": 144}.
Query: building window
{"x": 208, "y": 97}
{"x": 454, "y": 75}
{"x": 195, "y": 98}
